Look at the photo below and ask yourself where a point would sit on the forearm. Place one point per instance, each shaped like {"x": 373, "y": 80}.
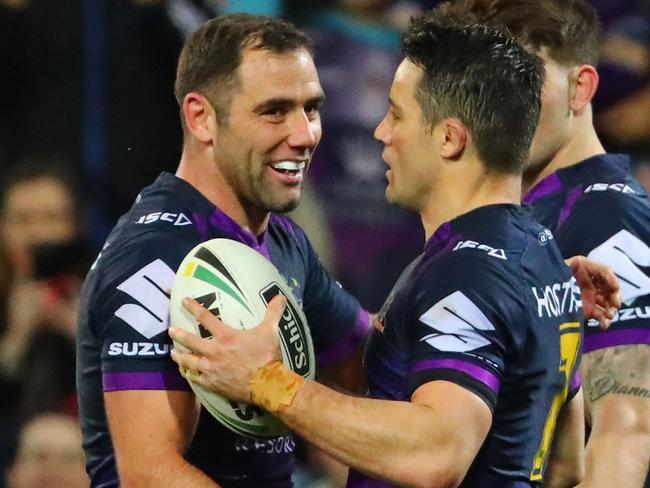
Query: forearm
{"x": 400, "y": 442}
{"x": 166, "y": 472}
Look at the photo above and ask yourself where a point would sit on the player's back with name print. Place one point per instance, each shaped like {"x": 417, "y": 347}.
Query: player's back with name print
{"x": 524, "y": 292}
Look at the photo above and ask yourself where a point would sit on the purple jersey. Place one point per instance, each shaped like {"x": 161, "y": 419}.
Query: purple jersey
{"x": 596, "y": 208}
{"x": 123, "y": 342}
{"x": 491, "y": 306}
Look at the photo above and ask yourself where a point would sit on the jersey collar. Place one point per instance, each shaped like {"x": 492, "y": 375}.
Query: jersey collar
{"x": 207, "y": 217}
{"x": 584, "y": 172}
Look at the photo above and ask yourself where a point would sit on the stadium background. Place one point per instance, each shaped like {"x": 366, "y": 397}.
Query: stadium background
{"x": 88, "y": 118}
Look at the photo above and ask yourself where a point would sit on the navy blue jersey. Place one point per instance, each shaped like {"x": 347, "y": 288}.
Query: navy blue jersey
{"x": 491, "y": 306}
{"x": 123, "y": 342}
{"x": 596, "y": 208}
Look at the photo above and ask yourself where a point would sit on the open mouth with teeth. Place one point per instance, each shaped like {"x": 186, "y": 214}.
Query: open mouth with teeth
{"x": 289, "y": 167}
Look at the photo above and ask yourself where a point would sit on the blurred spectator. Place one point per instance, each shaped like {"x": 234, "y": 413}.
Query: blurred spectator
{"x": 89, "y": 82}
{"x": 8, "y": 389}
{"x": 39, "y": 205}
{"x": 622, "y": 103}
{"x": 39, "y": 220}
{"x": 40, "y": 228}
{"x": 49, "y": 455}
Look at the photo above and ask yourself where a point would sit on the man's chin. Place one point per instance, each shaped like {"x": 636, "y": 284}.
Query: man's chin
{"x": 391, "y": 197}
{"x": 285, "y": 207}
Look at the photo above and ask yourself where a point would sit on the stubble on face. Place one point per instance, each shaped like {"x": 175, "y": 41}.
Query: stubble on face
{"x": 270, "y": 112}
{"x": 553, "y": 129}
{"x": 408, "y": 142}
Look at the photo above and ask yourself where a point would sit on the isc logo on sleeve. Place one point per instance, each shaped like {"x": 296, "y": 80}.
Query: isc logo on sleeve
{"x": 177, "y": 219}
{"x": 619, "y": 187}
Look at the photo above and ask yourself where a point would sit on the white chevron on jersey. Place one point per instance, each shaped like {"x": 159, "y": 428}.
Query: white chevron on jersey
{"x": 457, "y": 322}
{"x": 624, "y": 253}
{"x": 151, "y": 316}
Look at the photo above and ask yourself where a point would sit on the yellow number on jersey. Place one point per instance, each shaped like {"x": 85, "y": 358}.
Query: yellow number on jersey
{"x": 569, "y": 349}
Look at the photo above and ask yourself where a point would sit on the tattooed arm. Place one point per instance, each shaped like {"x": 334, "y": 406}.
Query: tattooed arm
{"x": 616, "y": 381}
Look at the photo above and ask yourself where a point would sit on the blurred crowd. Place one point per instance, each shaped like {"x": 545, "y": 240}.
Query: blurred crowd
{"x": 88, "y": 118}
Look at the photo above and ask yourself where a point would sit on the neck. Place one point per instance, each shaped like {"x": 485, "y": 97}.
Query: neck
{"x": 200, "y": 171}
{"x": 583, "y": 144}
{"x": 461, "y": 193}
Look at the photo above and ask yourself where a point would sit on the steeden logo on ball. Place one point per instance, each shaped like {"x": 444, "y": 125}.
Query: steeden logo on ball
{"x": 236, "y": 283}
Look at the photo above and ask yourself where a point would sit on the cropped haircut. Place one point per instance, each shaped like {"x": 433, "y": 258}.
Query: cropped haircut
{"x": 485, "y": 79}
{"x": 211, "y": 55}
{"x": 568, "y": 29}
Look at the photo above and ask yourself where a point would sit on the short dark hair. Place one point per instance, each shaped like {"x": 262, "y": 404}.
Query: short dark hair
{"x": 212, "y": 54}
{"x": 485, "y": 79}
{"x": 569, "y": 29}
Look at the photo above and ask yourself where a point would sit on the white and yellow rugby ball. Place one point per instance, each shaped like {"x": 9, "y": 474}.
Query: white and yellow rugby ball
{"x": 236, "y": 283}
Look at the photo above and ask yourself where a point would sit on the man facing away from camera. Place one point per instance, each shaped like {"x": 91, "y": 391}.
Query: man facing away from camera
{"x": 594, "y": 207}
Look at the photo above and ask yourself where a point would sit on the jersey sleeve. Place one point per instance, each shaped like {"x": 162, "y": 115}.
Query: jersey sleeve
{"x": 575, "y": 383}
{"x": 614, "y": 229}
{"x": 130, "y": 314}
{"x": 337, "y": 322}
{"x": 461, "y": 316}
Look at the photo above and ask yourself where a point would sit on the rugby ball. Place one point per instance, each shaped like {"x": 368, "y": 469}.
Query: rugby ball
{"x": 235, "y": 282}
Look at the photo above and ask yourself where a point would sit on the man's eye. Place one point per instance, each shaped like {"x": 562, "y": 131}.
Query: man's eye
{"x": 275, "y": 112}
{"x": 312, "y": 111}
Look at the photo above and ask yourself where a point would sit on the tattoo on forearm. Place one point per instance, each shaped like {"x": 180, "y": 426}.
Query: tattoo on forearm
{"x": 607, "y": 384}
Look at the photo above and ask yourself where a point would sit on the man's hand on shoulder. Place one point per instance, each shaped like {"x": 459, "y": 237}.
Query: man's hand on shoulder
{"x": 599, "y": 289}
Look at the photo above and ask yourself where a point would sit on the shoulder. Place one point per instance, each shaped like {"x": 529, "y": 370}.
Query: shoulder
{"x": 131, "y": 250}
{"x": 483, "y": 277}
{"x": 282, "y": 225}
{"x": 598, "y": 214}
{"x": 289, "y": 236}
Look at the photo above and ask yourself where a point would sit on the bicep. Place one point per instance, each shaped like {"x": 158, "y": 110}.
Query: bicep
{"x": 617, "y": 382}
{"x": 149, "y": 425}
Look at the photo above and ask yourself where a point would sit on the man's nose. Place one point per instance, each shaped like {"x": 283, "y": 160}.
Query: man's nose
{"x": 303, "y": 132}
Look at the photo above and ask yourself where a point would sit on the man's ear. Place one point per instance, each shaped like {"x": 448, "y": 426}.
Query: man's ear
{"x": 454, "y": 136}
{"x": 584, "y": 83}
{"x": 200, "y": 117}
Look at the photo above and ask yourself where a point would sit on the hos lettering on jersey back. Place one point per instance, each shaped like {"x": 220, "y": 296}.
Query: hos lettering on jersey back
{"x": 557, "y": 299}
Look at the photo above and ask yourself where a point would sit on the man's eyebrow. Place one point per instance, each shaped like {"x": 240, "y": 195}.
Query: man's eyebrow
{"x": 317, "y": 100}
{"x": 277, "y": 102}
{"x": 287, "y": 103}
